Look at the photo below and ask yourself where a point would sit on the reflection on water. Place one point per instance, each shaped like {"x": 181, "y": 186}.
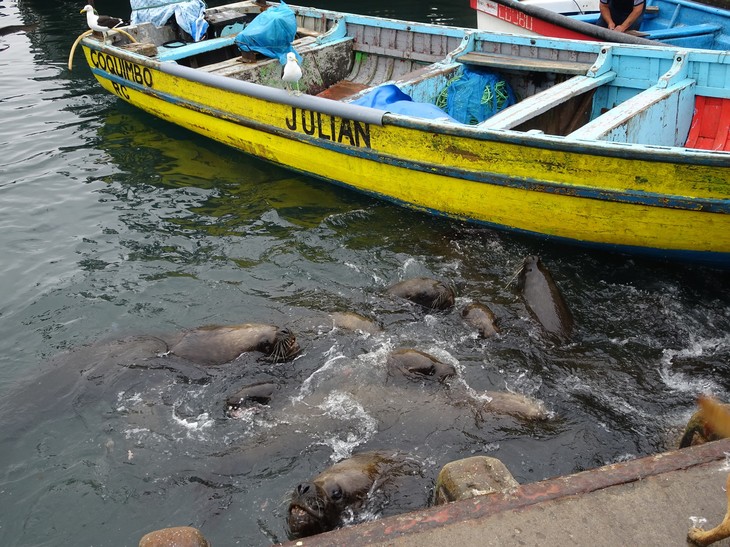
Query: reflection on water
{"x": 114, "y": 224}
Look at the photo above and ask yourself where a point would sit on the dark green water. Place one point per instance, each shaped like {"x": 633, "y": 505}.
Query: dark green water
{"x": 114, "y": 224}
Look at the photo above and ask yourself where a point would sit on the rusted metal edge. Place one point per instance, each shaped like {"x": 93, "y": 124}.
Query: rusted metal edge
{"x": 584, "y": 482}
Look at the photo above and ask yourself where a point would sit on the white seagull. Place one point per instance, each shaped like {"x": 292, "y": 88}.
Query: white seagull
{"x": 100, "y": 23}
{"x": 292, "y": 71}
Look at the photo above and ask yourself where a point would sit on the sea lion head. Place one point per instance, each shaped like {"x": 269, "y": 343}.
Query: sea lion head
{"x": 316, "y": 507}
{"x": 249, "y": 398}
{"x": 419, "y": 365}
{"x": 284, "y": 347}
{"x": 528, "y": 266}
{"x": 428, "y": 293}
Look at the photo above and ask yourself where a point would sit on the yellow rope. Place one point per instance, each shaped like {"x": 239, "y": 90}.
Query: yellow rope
{"x": 73, "y": 48}
{"x": 84, "y": 35}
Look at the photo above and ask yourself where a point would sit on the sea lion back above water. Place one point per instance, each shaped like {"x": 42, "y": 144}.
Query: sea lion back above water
{"x": 544, "y": 299}
{"x": 429, "y": 293}
{"x": 216, "y": 345}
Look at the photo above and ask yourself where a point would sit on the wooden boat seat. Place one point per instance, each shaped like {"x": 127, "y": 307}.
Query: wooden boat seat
{"x": 684, "y": 31}
{"x": 547, "y": 99}
{"x": 710, "y": 129}
{"x": 636, "y": 119}
{"x": 509, "y": 62}
{"x": 224, "y": 67}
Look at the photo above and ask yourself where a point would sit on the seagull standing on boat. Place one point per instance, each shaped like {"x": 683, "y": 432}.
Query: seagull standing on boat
{"x": 100, "y": 23}
{"x": 292, "y": 71}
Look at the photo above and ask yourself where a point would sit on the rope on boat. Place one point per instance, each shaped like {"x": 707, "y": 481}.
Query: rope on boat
{"x": 87, "y": 33}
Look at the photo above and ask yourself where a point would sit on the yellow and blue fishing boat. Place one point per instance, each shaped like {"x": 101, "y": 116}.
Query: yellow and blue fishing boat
{"x": 619, "y": 146}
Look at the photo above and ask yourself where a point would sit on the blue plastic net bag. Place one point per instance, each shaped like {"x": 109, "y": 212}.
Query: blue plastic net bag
{"x": 271, "y": 33}
{"x": 473, "y": 96}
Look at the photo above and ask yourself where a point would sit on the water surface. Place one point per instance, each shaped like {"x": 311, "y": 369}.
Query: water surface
{"x": 114, "y": 224}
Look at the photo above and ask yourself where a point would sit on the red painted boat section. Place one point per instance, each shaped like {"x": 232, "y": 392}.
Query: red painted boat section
{"x": 710, "y": 129}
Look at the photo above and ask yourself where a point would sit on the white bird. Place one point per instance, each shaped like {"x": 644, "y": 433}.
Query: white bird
{"x": 292, "y": 71}
{"x": 100, "y": 23}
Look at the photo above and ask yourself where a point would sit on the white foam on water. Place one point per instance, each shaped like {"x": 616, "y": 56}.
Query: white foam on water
{"x": 193, "y": 425}
{"x": 524, "y": 383}
{"x": 343, "y": 407}
{"x": 576, "y": 385}
{"x": 679, "y": 381}
{"x": 406, "y": 265}
{"x": 134, "y": 399}
{"x": 312, "y": 381}
{"x": 622, "y": 458}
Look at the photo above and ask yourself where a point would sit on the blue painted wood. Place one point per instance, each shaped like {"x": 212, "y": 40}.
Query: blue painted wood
{"x": 683, "y": 23}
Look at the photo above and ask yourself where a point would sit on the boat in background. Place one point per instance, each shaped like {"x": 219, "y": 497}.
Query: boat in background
{"x": 619, "y": 146}
{"x": 679, "y": 23}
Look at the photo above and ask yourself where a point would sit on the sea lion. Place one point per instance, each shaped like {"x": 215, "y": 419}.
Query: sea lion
{"x": 516, "y": 405}
{"x": 544, "y": 299}
{"x": 248, "y": 396}
{"x": 429, "y": 293}
{"x": 216, "y": 345}
{"x": 482, "y": 318}
{"x": 320, "y": 505}
{"x": 355, "y": 322}
{"x": 416, "y": 364}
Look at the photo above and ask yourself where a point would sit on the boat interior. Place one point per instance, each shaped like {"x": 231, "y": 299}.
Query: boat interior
{"x": 682, "y": 24}
{"x": 581, "y": 91}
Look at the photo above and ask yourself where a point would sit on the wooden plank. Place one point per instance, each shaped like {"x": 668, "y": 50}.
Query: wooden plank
{"x": 639, "y": 119}
{"x": 509, "y": 62}
{"x": 341, "y": 90}
{"x": 545, "y": 100}
{"x": 301, "y": 31}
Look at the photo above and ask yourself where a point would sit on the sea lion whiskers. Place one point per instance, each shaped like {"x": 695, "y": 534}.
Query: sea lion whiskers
{"x": 516, "y": 275}
{"x": 284, "y": 347}
{"x": 443, "y": 299}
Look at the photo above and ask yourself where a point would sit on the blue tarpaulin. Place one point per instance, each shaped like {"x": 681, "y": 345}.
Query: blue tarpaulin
{"x": 271, "y": 33}
{"x": 190, "y": 15}
{"x": 389, "y": 97}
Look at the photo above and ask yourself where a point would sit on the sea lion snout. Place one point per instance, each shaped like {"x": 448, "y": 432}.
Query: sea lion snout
{"x": 249, "y": 396}
{"x": 285, "y": 346}
{"x": 308, "y": 511}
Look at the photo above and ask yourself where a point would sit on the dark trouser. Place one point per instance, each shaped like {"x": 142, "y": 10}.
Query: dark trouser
{"x": 618, "y": 18}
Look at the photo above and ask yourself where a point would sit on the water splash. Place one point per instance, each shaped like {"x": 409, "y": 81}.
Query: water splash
{"x": 193, "y": 425}
{"x": 679, "y": 381}
{"x": 343, "y": 407}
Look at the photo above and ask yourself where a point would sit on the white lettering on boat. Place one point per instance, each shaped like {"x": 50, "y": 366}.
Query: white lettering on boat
{"x": 330, "y": 128}
{"x": 515, "y": 17}
{"x": 124, "y": 69}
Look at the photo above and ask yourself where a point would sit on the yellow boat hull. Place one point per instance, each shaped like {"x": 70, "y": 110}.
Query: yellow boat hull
{"x": 574, "y": 193}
